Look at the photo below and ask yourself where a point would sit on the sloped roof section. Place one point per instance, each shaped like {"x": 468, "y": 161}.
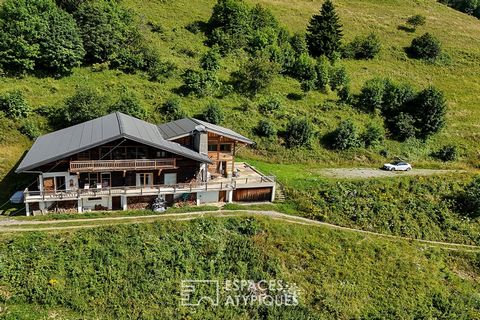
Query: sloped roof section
{"x": 186, "y": 126}
{"x": 69, "y": 141}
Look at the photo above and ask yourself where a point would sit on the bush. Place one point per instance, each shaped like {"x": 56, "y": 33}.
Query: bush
{"x": 270, "y": 105}
{"x": 38, "y": 36}
{"x": 471, "y": 197}
{"x": 172, "y": 110}
{"x": 339, "y": 78}
{"x": 108, "y": 31}
{"x": 129, "y": 104}
{"x": 446, "y": 153}
{"x": 304, "y": 71}
{"x": 371, "y": 95}
{"x": 416, "y": 21}
{"x": 160, "y": 71}
{"x": 299, "y": 44}
{"x": 84, "y": 105}
{"x": 265, "y": 128}
{"x": 14, "y": 105}
{"x": 229, "y": 25}
{"x": 256, "y": 75}
{"x": 212, "y": 114}
{"x": 345, "y": 136}
{"x": 425, "y": 47}
{"x": 366, "y": 47}
{"x": 200, "y": 83}
{"x": 30, "y": 129}
{"x": 372, "y": 136}
{"x": 323, "y": 68}
{"x": 396, "y": 98}
{"x": 402, "y": 126}
{"x": 429, "y": 111}
{"x": 210, "y": 61}
{"x": 299, "y": 132}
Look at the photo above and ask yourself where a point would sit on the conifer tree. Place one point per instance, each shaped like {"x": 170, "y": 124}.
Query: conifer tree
{"x": 324, "y": 33}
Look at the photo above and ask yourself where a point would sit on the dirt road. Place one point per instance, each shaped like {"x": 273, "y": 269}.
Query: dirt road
{"x": 366, "y": 173}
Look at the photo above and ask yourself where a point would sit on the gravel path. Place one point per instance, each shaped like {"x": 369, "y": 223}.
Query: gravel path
{"x": 366, "y": 173}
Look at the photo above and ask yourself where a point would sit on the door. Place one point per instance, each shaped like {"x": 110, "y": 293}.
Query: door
{"x": 60, "y": 184}
{"x": 48, "y": 184}
{"x": 170, "y": 179}
{"x": 144, "y": 179}
{"x": 106, "y": 180}
{"x": 116, "y": 203}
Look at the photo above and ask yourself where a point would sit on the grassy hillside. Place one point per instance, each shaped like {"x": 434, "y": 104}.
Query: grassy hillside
{"x": 458, "y": 78}
{"x": 135, "y": 272}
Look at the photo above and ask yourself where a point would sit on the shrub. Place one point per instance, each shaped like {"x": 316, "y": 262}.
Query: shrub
{"x": 324, "y": 32}
{"x": 366, "y": 47}
{"x": 37, "y": 35}
{"x": 372, "y": 136}
{"x": 345, "y": 136}
{"x": 129, "y": 104}
{"x": 212, "y": 114}
{"x": 200, "y": 83}
{"x": 265, "y": 128}
{"x": 229, "y": 25}
{"x": 304, "y": 71}
{"x": 471, "y": 197}
{"x": 396, "y": 98}
{"x": 160, "y": 71}
{"x": 84, "y": 105}
{"x": 256, "y": 75}
{"x": 425, "y": 47}
{"x": 14, "y": 105}
{"x": 108, "y": 32}
{"x": 402, "y": 126}
{"x": 30, "y": 129}
{"x": 371, "y": 95}
{"x": 446, "y": 153}
{"x": 270, "y": 105}
{"x": 298, "y": 133}
{"x": 299, "y": 44}
{"x": 416, "y": 21}
{"x": 339, "y": 78}
{"x": 429, "y": 111}
{"x": 210, "y": 61}
{"x": 172, "y": 110}
{"x": 323, "y": 73}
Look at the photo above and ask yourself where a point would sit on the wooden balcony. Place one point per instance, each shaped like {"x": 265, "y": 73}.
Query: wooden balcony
{"x": 220, "y": 156}
{"x": 122, "y": 165}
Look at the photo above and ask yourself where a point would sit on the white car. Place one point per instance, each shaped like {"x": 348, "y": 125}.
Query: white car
{"x": 397, "y": 166}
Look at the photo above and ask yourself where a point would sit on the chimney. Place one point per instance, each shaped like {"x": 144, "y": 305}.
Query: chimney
{"x": 200, "y": 140}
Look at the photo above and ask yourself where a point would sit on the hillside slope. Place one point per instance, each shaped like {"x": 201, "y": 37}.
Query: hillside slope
{"x": 135, "y": 271}
{"x": 458, "y": 32}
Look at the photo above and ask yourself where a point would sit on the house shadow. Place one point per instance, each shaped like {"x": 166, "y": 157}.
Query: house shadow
{"x": 11, "y": 183}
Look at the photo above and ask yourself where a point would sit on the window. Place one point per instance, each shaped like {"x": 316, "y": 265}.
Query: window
{"x": 144, "y": 179}
{"x": 226, "y": 147}
{"x": 212, "y": 147}
{"x": 161, "y": 154}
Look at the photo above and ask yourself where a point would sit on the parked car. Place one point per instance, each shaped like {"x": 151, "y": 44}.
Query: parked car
{"x": 397, "y": 166}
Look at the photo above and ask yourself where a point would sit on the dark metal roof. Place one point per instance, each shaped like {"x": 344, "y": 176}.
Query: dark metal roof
{"x": 66, "y": 142}
{"x": 186, "y": 126}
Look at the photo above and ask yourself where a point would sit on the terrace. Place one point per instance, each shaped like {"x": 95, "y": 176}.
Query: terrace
{"x": 246, "y": 177}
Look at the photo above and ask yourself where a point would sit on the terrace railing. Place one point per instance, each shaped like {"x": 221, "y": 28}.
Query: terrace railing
{"x": 32, "y": 196}
{"x": 120, "y": 165}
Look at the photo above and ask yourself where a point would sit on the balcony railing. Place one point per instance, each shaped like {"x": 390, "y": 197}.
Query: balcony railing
{"x": 32, "y": 196}
{"x": 120, "y": 165}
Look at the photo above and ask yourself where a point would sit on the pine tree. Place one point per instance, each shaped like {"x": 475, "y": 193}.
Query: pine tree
{"x": 324, "y": 33}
